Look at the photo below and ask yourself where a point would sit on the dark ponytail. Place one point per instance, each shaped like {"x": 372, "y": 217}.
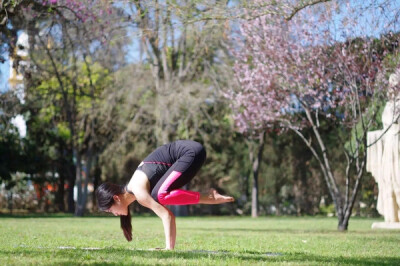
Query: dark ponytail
{"x": 126, "y": 225}
{"x": 104, "y": 195}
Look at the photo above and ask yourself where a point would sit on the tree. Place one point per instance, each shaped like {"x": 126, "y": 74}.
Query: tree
{"x": 12, "y": 19}
{"x": 294, "y": 73}
{"x": 67, "y": 77}
{"x": 255, "y": 145}
{"x": 178, "y": 55}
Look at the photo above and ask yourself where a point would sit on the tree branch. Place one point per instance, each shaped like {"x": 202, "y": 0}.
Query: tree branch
{"x": 317, "y": 157}
{"x": 301, "y": 7}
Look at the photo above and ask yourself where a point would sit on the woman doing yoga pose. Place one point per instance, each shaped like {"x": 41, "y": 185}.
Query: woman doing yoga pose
{"x": 157, "y": 182}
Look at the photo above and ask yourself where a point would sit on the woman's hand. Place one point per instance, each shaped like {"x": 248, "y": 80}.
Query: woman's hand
{"x": 154, "y": 249}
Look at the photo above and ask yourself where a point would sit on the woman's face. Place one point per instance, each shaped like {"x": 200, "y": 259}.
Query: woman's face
{"x": 119, "y": 207}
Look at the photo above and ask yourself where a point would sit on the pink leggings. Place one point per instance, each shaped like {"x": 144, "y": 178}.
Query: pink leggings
{"x": 168, "y": 187}
{"x": 166, "y": 196}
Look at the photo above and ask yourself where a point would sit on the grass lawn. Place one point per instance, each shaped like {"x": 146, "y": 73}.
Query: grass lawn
{"x": 201, "y": 241}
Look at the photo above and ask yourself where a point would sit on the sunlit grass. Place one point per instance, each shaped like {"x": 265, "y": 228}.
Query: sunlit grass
{"x": 201, "y": 241}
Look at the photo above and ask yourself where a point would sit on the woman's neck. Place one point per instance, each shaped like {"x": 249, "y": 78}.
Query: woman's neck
{"x": 130, "y": 197}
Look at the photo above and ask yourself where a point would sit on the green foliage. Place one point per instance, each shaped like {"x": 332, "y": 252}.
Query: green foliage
{"x": 327, "y": 209}
{"x": 10, "y": 152}
{"x": 368, "y": 197}
{"x": 63, "y": 131}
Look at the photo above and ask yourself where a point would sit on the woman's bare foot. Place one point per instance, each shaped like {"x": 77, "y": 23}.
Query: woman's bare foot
{"x": 213, "y": 197}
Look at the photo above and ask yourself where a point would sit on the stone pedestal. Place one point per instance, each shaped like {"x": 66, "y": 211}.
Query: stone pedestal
{"x": 384, "y": 225}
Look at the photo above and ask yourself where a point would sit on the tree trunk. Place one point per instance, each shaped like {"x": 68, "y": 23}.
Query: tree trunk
{"x": 254, "y": 196}
{"x": 60, "y": 192}
{"x": 88, "y": 168}
{"x": 343, "y": 222}
{"x": 96, "y": 180}
{"x": 278, "y": 200}
{"x": 277, "y": 204}
{"x": 78, "y": 167}
{"x": 10, "y": 201}
{"x": 324, "y": 162}
{"x": 82, "y": 184}
{"x": 255, "y": 160}
{"x": 61, "y": 171}
{"x": 71, "y": 185}
{"x": 245, "y": 186}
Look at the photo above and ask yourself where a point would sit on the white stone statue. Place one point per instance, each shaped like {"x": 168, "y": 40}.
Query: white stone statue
{"x": 383, "y": 158}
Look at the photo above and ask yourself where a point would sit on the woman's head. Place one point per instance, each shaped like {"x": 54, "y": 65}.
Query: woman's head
{"x": 112, "y": 198}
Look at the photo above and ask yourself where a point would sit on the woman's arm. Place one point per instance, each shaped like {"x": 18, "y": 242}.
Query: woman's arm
{"x": 169, "y": 230}
{"x": 167, "y": 217}
{"x": 140, "y": 185}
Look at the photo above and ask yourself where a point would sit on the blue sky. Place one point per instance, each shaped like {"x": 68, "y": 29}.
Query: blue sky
{"x": 4, "y": 73}
{"x": 371, "y": 19}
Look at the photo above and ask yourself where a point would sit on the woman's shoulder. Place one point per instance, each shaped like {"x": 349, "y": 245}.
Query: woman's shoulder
{"x": 139, "y": 181}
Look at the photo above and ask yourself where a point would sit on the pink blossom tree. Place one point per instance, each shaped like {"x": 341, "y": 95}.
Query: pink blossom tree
{"x": 294, "y": 74}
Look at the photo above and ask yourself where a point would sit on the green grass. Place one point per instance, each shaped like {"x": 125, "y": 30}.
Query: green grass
{"x": 200, "y": 241}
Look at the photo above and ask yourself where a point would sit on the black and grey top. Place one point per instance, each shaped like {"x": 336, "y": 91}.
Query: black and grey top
{"x": 184, "y": 156}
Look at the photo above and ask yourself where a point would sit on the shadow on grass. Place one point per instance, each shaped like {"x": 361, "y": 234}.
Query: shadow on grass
{"x": 280, "y": 230}
{"x": 66, "y": 215}
{"x": 36, "y": 215}
{"x": 264, "y": 230}
{"x": 52, "y": 215}
{"x": 286, "y": 230}
{"x": 127, "y": 256}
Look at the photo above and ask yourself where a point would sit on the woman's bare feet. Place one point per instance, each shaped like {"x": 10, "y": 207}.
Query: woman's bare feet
{"x": 213, "y": 197}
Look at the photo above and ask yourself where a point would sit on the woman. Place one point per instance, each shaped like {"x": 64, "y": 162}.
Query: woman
{"x": 157, "y": 182}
